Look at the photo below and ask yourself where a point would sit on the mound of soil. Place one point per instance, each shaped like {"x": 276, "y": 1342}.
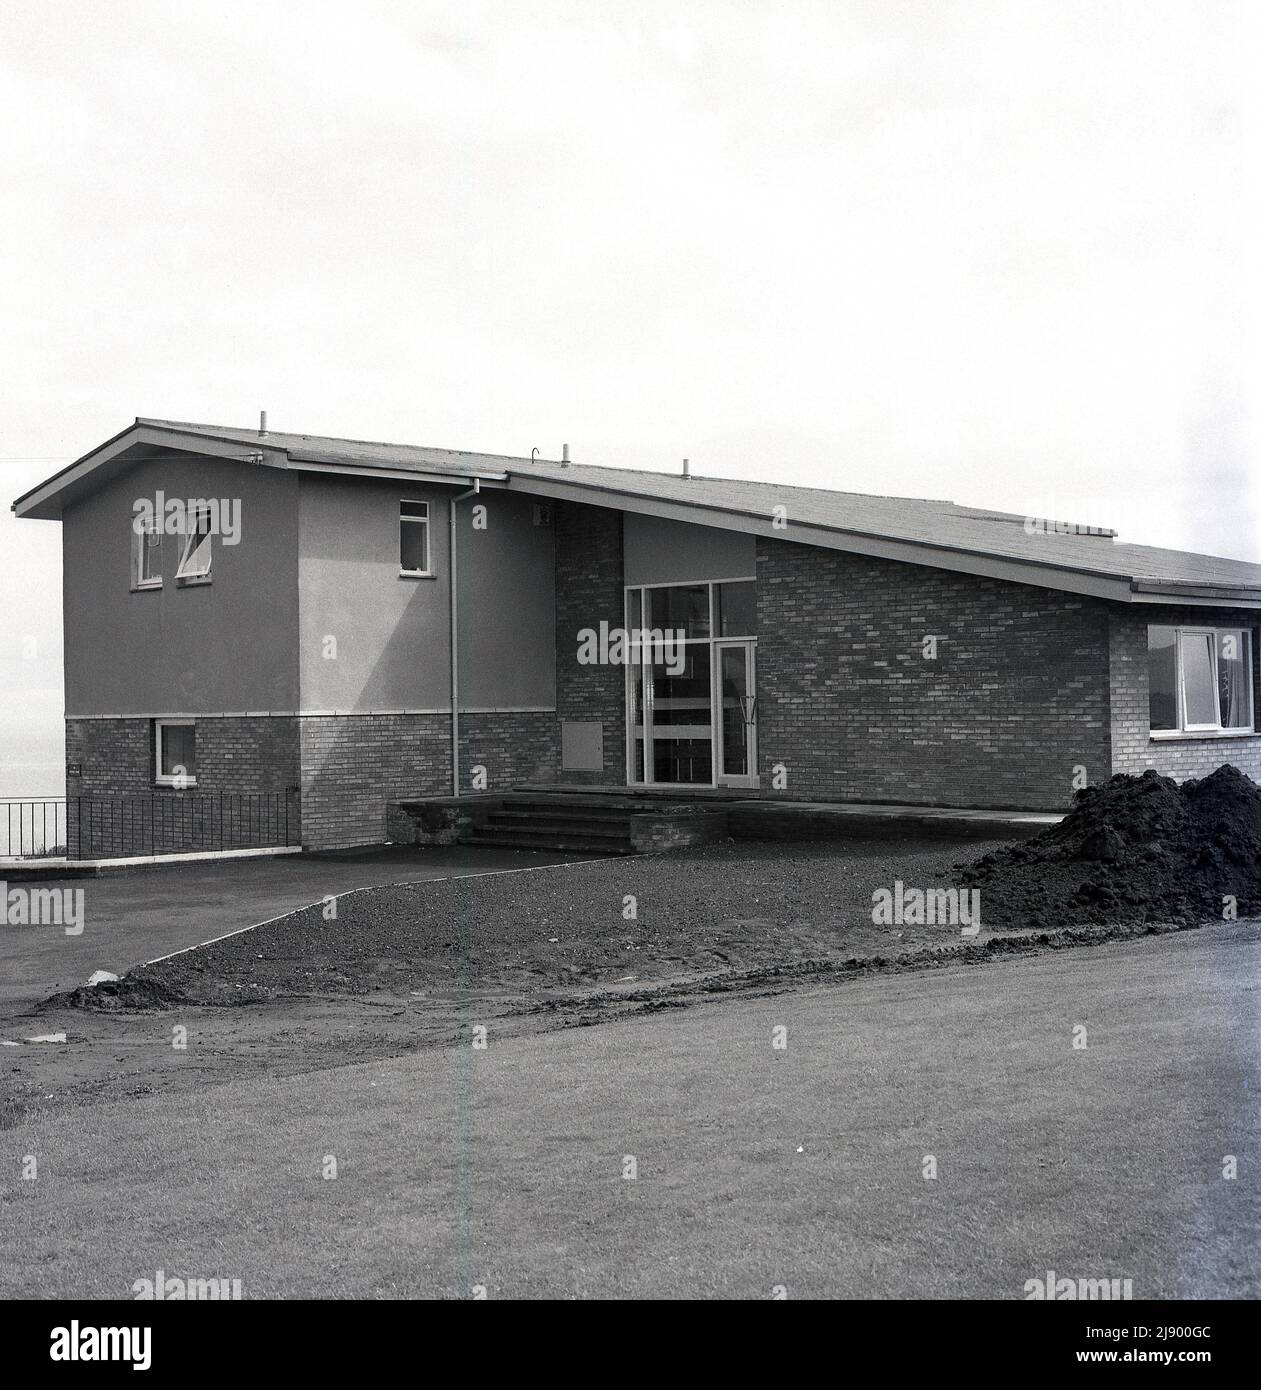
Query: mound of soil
{"x": 137, "y": 992}
{"x": 1136, "y": 849}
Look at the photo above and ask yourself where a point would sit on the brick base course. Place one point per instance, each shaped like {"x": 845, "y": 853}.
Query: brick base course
{"x": 246, "y": 792}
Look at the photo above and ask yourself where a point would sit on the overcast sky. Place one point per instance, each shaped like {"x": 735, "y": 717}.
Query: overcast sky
{"x": 1002, "y": 251}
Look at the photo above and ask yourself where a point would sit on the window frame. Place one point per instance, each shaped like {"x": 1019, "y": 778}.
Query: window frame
{"x": 176, "y": 780}
{"x": 425, "y": 521}
{"x": 1218, "y": 730}
{"x": 141, "y": 545}
{"x": 192, "y": 536}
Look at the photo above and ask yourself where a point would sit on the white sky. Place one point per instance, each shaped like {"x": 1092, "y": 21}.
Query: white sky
{"x": 1004, "y": 251}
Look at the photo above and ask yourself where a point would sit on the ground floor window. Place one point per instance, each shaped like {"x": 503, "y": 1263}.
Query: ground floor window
{"x": 175, "y": 753}
{"x": 1199, "y": 679}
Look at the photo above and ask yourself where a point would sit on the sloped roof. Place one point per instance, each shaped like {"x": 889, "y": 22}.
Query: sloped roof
{"x": 930, "y": 531}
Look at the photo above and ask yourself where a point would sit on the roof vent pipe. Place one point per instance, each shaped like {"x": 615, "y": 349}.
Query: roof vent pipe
{"x": 564, "y": 455}
{"x": 686, "y": 474}
{"x": 262, "y": 422}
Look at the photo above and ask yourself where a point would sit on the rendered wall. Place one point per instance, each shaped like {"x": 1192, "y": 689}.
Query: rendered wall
{"x": 660, "y": 551}
{"x": 223, "y": 647}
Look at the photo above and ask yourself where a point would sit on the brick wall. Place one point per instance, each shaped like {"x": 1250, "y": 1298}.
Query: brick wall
{"x": 246, "y": 768}
{"x": 1133, "y": 750}
{"x": 1016, "y": 699}
{"x": 589, "y": 588}
{"x": 513, "y": 747}
{"x": 353, "y": 764}
{"x": 116, "y": 757}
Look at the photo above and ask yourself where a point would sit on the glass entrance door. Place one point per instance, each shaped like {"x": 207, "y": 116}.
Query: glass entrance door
{"x": 691, "y": 707}
{"x": 736, "y": 721}
{"x": 673, "y": 727}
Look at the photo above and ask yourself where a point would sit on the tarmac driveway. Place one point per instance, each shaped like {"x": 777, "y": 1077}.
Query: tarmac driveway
{"x": 132, "y": 916}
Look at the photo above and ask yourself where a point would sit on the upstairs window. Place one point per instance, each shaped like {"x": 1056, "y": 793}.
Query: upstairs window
{"x": 146, "y": 557}
{"x": 413, "y": 538}
{"x": 1199, "y": 680}
{"x": 195, "y": 555}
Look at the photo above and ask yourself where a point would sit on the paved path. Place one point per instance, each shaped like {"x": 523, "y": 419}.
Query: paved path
{"x": 131, "y": 917}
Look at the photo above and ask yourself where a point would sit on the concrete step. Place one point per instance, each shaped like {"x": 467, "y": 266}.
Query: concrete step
{"x": 503, "y": 838}
{"x": 594, "y": 810}
{"x": 558, "y": 822}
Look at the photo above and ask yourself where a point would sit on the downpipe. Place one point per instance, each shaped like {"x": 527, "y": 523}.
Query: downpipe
{"x": 455, "y": 640}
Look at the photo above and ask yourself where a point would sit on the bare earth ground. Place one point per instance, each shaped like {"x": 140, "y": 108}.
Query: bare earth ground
{"x": 419, "y": 964}
{"x": 353, "y": 1037}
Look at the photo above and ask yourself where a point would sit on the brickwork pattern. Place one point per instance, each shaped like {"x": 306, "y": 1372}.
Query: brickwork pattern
{"x": 245, "y": 796}
{"x": 1133, "y": 750}
{"x": 353, "y": 764}
{"x": 589, "y": 588}
{"x": 849, "y": 705}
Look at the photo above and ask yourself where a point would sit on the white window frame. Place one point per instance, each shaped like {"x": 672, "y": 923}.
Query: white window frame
{"x": 141, "y": 544}
{"x": 712, "y": 642}
{"x": 427, "y": 572}
{"x": 185, "y": 569}
{"x": 160, "y": 778}
{"x": 1185, "y": 730}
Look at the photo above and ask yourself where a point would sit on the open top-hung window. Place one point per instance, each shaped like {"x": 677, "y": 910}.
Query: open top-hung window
{"x": 1200, "y": 680}
{"x": 195, "y": 548}
{"x": 413, "y": 538}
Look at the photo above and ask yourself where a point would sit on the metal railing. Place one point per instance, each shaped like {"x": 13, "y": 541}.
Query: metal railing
{"x": 33, "y": 827}
{"x": 113, "y": 827}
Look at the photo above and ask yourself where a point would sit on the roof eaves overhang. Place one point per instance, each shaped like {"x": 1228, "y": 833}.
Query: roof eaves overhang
{"x": 45, "y": 501}
{"x": 305, "y": 463}
{"x": 1093, "y": 584}
{"x": 1193, "y": 595}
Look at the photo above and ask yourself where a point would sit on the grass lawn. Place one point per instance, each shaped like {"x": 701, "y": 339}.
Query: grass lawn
{"x": 756, "y": 1167}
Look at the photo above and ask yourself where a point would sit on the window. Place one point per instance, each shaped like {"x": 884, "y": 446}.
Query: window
{"x": 146, "y": 557}
{"x": 175, "y": 753}
{"x": 195, "y": 557}
{"x": 1199, "y": 679}
{"x": 684, "y": 606}
{"x": 736, "y": 608}
{"x": 413, "y": 538}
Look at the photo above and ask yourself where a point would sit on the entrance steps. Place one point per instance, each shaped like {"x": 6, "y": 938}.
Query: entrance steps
{"x": 585, "y": 822}
{"x": 539, "y": 823}
{"x": 593, "y": 821}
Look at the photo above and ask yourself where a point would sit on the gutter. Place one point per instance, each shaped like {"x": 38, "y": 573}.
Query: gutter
{"x": 1207, "y": 591}
{"x": 455, "y": 642}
